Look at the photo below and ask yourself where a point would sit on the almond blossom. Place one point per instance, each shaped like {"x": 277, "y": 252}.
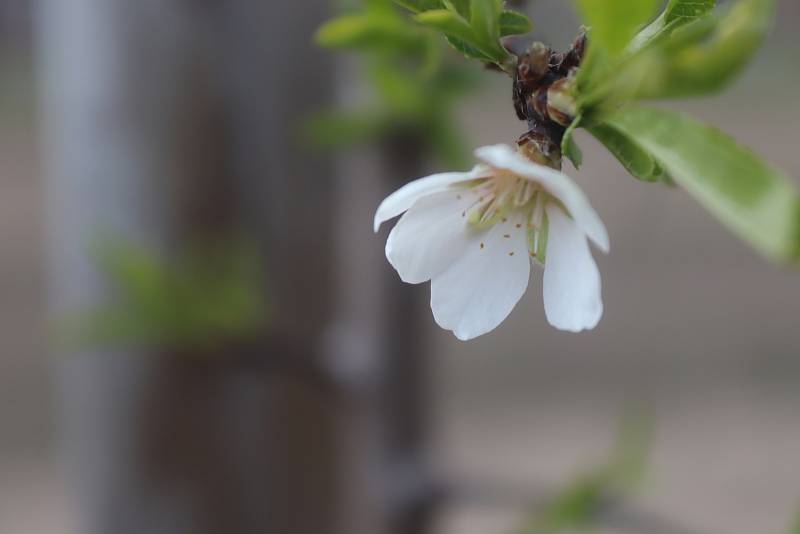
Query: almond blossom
{"x": 474, "y": 235}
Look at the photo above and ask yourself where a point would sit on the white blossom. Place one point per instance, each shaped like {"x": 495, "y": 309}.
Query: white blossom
{"x": 474, "y": 235}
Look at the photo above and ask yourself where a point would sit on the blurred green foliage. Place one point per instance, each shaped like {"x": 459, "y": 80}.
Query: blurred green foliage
{"x": 473, "y": 27}
{"x": 204, "y": 296}
{"x": 796, "y": 526}
{"x": 413, "y": 82}
{"x": 576, "y": 505}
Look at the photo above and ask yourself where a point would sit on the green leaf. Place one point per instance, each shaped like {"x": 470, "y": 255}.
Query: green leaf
{"x": 568, "y": 145}
{"x": 698, "y": 58}
{"x": 368, "y": 31}
{"x": 699, "y": 64}
{"x": 513, "y": 23}
{"x": 462, "y": 7}
{"x": 613, "y": 23}
{"x": 755, "y": 201}
{"x": 636, "y": 161}
{"x": 420, "y": 6}
{"x": 449, "y": 23}
{"x": 467, "y": 50}
{"x": 485, "y": 22}
{"x": 706, "y": 55}
{"x": 485, "y": 17}
{"x": 676, "y": 14}
{"x": 687, "y": 10}
{"x": 458, "y": 33}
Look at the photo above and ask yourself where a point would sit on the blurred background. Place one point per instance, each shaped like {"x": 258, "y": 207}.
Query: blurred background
{"x": 295, "y": 385}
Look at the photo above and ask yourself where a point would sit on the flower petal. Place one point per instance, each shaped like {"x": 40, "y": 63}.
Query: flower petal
{"x": 431, "y": 235}
{"x": 402, "y": 199}
{"x": 556, "y": 183}
{"x": 478, "y": 291}
{"x": 572, "y": 292}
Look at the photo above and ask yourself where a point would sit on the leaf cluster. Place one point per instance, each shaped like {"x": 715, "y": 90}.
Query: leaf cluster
{"x": 473, "y": 27}
{"x": 413, "y": 84}
{"x": 639, "y": 51}
{"x": 689, "y": 49}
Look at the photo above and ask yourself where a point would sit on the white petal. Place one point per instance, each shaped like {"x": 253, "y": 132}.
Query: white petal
{"x": 556, "y": 183}
{"x": 572, "y": 296}
{"x": 402, "y": 199}
{"x": 478, "y": 291}
{"x": 431, "y": 235}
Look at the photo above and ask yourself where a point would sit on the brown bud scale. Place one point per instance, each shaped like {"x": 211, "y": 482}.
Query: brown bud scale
{"x": 543, "y": 97}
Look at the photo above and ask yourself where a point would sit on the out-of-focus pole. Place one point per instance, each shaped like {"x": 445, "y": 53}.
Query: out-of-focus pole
{"x": 168, "y": 121}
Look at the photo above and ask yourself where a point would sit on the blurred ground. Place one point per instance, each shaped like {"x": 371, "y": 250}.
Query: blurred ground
{"x": 695, "y": 324}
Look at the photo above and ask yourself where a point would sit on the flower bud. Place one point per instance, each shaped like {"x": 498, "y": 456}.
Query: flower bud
{"x": 561, "y": 103}
{"x": 534, "y": 64}
{"x": 539, "y": 147}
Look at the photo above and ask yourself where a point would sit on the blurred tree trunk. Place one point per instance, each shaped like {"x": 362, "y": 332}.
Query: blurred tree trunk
{"x": 378, "y": 350}
{"x": 169, "y": 121}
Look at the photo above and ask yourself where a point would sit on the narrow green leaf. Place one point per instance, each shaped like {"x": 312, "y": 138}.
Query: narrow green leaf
{"x": 636, "y": 161}
{"x": 687, "y": 10}
{"x": 569, "y": 147}
{"x": 368, "y": 31}
{"x": 467, "y": 50}
{"x": 699, "y": 61}
{"x": 485, "y": 17}
{"x": 755, "y": 201}
{"x": 513, "y": 23}
{"x": 698, "y": 58}
{"x": 612, "y": 26}
{"x": 462, "y": 7}
{"x": 676, "y": 14}
{"x": 613, "y": 23}
{"x": 485, "y": 22}
{"x": 458, "y": 33}
{"x": 449, "y": 23}
{"x": 420, "y": 6}
{"x": 711, "y": 65}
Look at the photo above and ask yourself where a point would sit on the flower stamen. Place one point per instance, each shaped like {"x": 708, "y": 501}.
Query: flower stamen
{"x": 497, "y": 196}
